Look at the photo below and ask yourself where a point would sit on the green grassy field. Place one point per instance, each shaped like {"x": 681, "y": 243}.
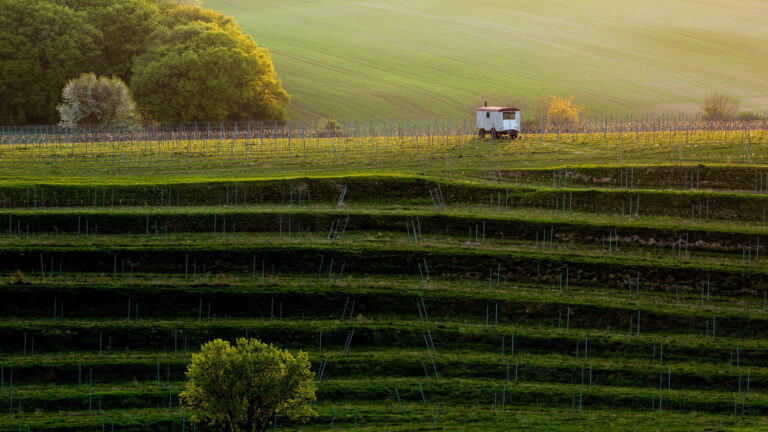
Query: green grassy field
{"x": 568, "y": 281}
{"x": 457, "y": 285}
{"x": 451, "y": 153}
{"x": 420, "y": 60}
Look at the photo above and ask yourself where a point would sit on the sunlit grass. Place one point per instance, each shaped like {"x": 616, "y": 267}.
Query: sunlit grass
{"x": 446, "y": 155}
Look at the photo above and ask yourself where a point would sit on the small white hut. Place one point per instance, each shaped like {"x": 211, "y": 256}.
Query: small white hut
{"x": 498, "y": 121}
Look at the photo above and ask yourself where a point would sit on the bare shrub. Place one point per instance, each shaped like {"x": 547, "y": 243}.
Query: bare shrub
{"x": 750, "y": 116}
{"x": 720, "y": 106}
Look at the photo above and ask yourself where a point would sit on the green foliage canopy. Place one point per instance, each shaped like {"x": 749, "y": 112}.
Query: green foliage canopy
{"x": 242, "y": 387}
{"x": 183, "y": 62}
{"x": 203, "y": 67}
{"x": 42, "y": 45}
{"x": 126, "y": 28}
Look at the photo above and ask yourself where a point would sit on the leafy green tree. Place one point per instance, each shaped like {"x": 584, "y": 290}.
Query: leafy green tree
{"x": 42, "y": 45}
{"x": 97, "y": 101}
{"x": 184, "y": 62}
{"x": 242, "y": 387}
{"x": 202, "y": 67}
{"x": 126, "y": 28}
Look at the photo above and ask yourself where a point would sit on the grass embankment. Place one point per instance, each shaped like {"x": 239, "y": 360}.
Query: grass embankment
{"x": 134, "y": 160}
{"x": 476, "y": 297}
{"x": 378, "y": 416}
{"x": 393, "y": 191}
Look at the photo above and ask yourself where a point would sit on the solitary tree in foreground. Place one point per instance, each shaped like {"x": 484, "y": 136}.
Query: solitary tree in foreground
{"x": 97, "y": 101}
{"x": 242, "y": 387}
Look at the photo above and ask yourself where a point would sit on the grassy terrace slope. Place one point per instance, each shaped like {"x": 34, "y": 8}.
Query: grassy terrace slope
{"x": 398, "y": 59}
{"x": 466, "y": 286}
{"x": 470, "y": 304}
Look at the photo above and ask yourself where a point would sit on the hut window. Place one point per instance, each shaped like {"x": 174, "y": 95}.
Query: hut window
{"x": 509, "y": 115}
{"x": 487, "y": 114}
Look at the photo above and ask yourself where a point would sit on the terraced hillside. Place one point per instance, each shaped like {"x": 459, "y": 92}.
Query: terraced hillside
{"x": 588, "y": 297}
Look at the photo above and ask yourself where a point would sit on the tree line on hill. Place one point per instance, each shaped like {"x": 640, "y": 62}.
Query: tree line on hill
{"x": 180, "y": 61}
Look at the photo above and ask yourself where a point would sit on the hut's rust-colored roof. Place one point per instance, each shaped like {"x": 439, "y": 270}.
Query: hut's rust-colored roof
{"x": 497, "y": 109}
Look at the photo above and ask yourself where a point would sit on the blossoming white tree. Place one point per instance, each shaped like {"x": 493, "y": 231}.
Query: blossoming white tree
{"x": 94, "y": 100}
